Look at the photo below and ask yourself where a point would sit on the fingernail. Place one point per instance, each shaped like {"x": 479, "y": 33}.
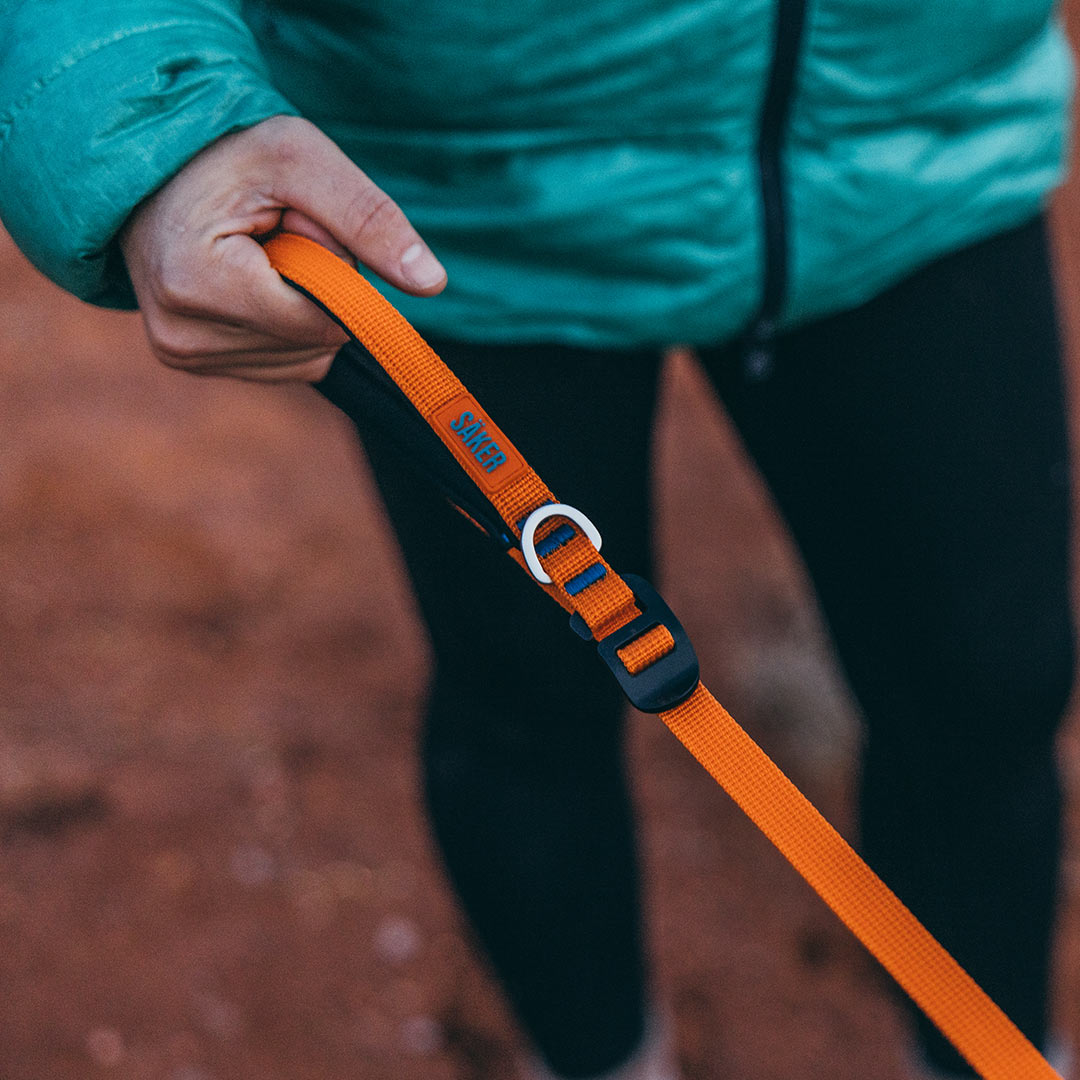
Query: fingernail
{"x": 421, "y": 267}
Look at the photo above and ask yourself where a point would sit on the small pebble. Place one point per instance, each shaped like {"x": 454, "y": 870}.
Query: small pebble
{"x": 106, "y": 1047}
{"x": 422, "y": 1036}
{"x": 397, "y": 940}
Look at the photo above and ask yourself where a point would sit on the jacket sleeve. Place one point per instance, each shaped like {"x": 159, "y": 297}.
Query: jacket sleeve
{"x": 100, "y": 104}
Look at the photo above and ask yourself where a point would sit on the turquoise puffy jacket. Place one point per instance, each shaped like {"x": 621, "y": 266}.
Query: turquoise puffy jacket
{"x": 605, "y": 172}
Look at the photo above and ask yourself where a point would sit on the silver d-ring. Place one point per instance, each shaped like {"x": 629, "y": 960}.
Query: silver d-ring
{"x": 528, "y": 534}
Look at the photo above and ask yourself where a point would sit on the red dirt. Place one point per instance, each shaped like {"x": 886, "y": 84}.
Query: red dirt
{"x": 212, "y": 860}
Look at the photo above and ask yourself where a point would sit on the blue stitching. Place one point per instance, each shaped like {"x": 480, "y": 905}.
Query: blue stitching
{"x": 555, "y": 539}
{"x": 589, "y": 576}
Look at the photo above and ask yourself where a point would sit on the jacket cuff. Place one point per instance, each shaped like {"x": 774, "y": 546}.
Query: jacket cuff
{"x": 85, "y": 146}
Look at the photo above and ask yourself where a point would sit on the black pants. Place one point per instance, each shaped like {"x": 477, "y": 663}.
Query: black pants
{"x": 917, "y": 449}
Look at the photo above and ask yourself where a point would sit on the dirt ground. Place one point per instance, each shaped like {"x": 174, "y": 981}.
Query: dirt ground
{"x": 213, "y": 864}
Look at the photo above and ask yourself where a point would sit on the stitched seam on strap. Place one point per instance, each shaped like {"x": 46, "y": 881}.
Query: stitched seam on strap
{"x": 555, "y": 540}
{"x": 589, "y": 576}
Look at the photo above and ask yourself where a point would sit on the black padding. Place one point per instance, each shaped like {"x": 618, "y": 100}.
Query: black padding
{"x": 358, "y": 385}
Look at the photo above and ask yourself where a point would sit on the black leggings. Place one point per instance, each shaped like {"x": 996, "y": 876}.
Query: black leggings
{"x": 917, "y": 448}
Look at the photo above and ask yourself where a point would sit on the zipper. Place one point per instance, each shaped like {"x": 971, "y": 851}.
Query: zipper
{"x": 775, "y": 111}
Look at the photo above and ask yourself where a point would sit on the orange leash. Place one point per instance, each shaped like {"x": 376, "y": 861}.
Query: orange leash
{"x": 648, "y": 652}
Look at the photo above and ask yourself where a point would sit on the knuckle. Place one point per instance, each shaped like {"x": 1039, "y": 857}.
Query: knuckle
{"x": 372, "y": 213}
{"x": 176, "y": 289}
{"x": 285, "y": 139}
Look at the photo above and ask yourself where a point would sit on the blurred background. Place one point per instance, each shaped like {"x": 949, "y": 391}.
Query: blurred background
{"x": 213, "y": 864}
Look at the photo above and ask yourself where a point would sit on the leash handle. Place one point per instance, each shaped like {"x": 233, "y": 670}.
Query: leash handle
{"x": 637, "y": 635}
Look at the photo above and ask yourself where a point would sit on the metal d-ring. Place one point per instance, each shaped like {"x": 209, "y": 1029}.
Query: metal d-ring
{"x": 542, "y": 513}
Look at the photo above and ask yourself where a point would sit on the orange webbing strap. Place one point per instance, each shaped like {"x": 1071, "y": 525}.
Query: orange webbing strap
{"x": 979, "y": 1030}
{"x": 513, "y": 488}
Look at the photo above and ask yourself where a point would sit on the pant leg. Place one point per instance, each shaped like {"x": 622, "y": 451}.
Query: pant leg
{"x": 917, "y": 447}
{"x": 522, "y": 746}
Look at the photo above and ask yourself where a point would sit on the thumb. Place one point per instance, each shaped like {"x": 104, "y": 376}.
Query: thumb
{"x": 312, "y": 175}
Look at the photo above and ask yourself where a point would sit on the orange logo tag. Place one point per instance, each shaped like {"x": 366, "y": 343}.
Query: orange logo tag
{"x": 487, "y": 454}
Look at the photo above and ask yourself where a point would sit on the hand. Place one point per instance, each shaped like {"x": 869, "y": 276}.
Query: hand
{"x": 211, "y": 302}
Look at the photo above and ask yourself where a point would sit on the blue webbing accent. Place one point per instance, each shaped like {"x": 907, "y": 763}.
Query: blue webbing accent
{"x": 555, "y": 539}
{"x": 589, "y": 576}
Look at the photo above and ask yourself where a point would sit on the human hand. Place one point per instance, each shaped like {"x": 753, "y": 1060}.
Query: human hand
{"x": 211, "y": 303}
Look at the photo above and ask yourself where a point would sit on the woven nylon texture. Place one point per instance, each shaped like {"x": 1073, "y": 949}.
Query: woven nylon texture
{"x": 430, "y": 385}
{"x": 408, "y": 359}
{"x": 945, "y": 992}
{"x": 646, "y": 649}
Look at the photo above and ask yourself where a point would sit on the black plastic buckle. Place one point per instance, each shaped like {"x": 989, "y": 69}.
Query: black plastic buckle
{"x": 668, "y": 681}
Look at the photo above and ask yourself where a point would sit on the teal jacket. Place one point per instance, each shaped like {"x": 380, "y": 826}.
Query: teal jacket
{"x": 605, "y": 172}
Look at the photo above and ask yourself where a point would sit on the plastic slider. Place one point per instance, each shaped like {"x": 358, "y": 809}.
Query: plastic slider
{"x": 666, "y": 682}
